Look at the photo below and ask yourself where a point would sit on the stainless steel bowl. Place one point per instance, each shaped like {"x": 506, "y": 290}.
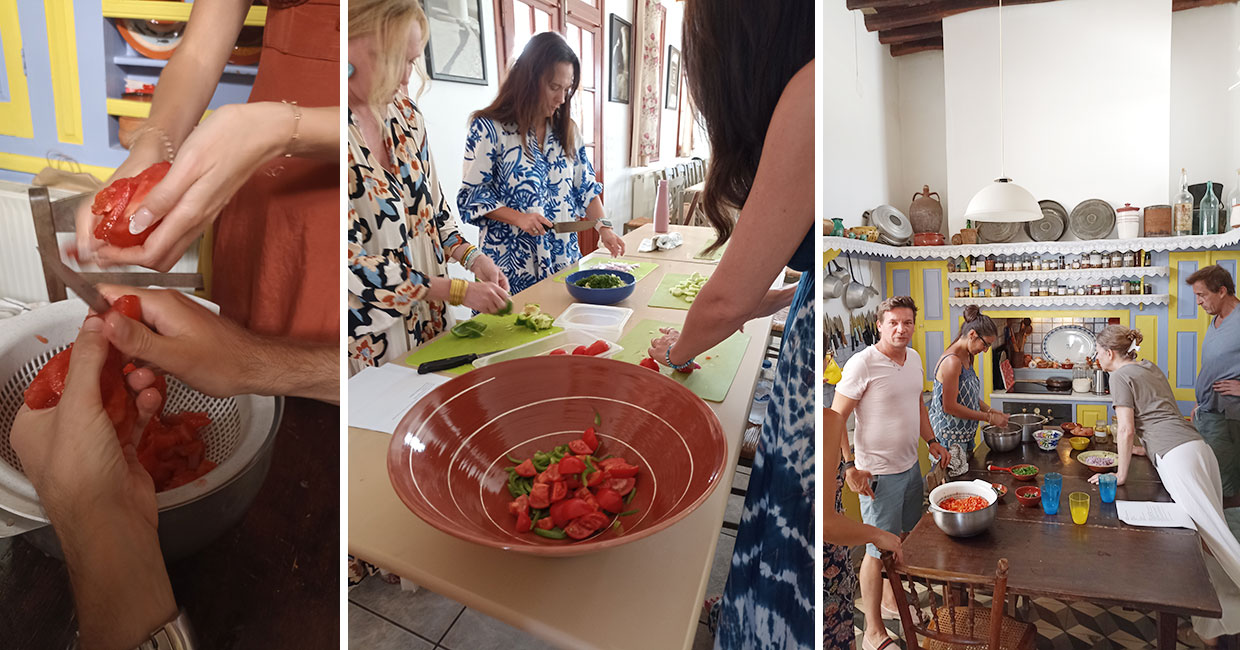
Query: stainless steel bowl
{"x": 964, "y": 524}
{"x": 1028, "y": 423}
{"x": 1002, "y": 438}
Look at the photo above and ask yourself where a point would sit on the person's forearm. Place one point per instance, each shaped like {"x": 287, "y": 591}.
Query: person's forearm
{"x": 1124, "y": 443}
{"x": 120, "y": 585}
{"x": 957, "y": 409}
{"x": 927, "y": 431}
{"x": 839, "y": 529}
{"x": 294, "y": 369}
{"x": 595, "y": 210}
{"x": 504, "y": 214}
{"x": 773, "y": 301}
{"x": 318, "y": 133}
{"x": 713, "y": 317}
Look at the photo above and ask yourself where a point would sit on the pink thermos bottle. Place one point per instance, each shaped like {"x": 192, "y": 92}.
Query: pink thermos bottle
{"x": 660, "y": 208}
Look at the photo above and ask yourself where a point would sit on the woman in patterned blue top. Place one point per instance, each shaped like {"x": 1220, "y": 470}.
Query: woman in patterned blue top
{"x": 747, "y": 70}
{"x": 957, "y": 405}
{"x": 526, "y": 168}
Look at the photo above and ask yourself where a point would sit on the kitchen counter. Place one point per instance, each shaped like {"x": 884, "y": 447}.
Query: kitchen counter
{"x": 1050, "y": 397}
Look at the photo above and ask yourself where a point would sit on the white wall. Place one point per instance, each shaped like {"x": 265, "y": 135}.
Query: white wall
{"x": 1205, "y": 117}
{"x": 861, "y": 129}
{"x": 923, "y": 141}
{"x": 1086, "y": 94}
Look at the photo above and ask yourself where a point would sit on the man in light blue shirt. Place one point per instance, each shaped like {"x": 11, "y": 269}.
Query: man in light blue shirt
{"x": 1217, "y": 414}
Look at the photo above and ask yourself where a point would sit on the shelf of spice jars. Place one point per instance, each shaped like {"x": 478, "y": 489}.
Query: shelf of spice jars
{"x": 1061, "y": 274}
{"x": 1062, "y": 301}
{"x": 1079, "y": 247}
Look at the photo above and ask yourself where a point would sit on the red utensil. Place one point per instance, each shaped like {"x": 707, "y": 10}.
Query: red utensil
{"x": 1019, "y": 477}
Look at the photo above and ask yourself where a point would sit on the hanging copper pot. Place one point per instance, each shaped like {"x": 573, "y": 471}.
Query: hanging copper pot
{"x": 926, "y": 213}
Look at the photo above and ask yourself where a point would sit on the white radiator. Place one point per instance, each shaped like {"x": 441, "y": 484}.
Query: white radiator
{"x": 21, "y": 272}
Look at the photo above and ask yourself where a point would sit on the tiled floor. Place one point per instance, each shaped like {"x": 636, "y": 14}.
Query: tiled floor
{"x": 383, "y": 617}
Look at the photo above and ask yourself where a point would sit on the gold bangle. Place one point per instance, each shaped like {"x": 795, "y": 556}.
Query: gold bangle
{"x": 456, "y": 291}
{"x": 296, "y": 126}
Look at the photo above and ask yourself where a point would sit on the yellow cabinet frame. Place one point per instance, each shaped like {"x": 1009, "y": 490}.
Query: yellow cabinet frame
{"x": 14, "y": 114}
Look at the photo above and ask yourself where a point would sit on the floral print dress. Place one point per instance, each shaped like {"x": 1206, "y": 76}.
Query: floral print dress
{"x": 504, "y": 168}
{"x": 401, "y": 234}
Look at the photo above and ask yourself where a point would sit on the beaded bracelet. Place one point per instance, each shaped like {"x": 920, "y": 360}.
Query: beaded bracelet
{"x": 682, "y": 366}
{"x": 169, "y": 150}
{"x": 456, "y": 291}
{"x": 296, "y": 126}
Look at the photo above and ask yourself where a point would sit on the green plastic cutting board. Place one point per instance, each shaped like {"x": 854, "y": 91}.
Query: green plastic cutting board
{"x": 662, "y": 296}
{"x": 710, "y": 382}
{"x": 502, "y": 333}
{"x": 718, "y": 254}
{"x": 643, "y": 268}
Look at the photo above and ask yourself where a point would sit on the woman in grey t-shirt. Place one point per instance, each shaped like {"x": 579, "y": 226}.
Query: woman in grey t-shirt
{"x": 1145, "y": 406}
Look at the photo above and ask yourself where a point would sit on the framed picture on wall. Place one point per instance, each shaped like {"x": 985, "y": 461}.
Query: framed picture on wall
{"x": 673, "y": 78}
{"x": 619, "y": 50}
{"x": 454, "y": 50}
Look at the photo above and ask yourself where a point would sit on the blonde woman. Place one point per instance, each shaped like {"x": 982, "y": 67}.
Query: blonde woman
{"x": 402, "y": 232}
{"x": 1145, "y": 407}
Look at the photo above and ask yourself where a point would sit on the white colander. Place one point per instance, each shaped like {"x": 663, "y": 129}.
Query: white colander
{"x": 239, "y": 430}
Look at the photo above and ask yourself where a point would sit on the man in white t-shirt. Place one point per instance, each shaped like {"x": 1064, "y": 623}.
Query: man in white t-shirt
{"x": 882, "y": 384}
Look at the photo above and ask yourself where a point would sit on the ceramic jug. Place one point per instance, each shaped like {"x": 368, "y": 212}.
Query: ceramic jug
{"x": 926, "y": 213}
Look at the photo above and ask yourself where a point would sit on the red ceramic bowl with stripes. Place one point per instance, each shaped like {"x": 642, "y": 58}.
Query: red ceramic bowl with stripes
{"x": 447, "y": 457}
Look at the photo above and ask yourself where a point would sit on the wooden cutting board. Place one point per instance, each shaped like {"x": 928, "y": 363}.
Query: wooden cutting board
{"x": 719, "y": 364}
{"x": 502, "y": 332}
{"x": 643, "y": 267}
{"x": 662, "y": 296}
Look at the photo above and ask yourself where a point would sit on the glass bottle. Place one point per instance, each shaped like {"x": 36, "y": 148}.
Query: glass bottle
{"x": 1117, "y": 260}
{"x": 1233, "y": 203}
{"x": 1129, "y": 257}
{"x": 1182, "y": 208}
{"x": 1209, "y": 211}
{"x": 1095, "y": 260}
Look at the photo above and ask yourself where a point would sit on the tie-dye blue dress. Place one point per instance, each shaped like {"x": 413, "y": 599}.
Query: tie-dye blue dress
{"x": 768, "y": 601}
{"x": 500, "y": 172}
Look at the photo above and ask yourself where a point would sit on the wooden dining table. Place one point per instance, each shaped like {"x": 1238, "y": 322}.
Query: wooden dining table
{"x": 696, "y": 238}
{"x": 1103, "y": 561}
{"x": 271, "y": 581}
{"x": 645, "y": 594}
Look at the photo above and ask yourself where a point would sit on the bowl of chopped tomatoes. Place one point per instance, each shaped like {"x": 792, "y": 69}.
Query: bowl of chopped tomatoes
{"x": 556, "y": 459}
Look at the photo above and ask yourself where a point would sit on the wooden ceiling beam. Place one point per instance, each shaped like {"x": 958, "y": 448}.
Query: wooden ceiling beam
{"x": 914, "y": 33}
{"x": 1182, "y": 5}
{"x": 900, "y": 49}
{"x": 883, "y": 4}
{"x": 931, "y": 13}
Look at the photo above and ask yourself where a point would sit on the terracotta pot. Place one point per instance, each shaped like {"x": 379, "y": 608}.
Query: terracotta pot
{"x": 926, "y": 213}
{"x": 967, "y": 236}
{"x": 927, "y": 239}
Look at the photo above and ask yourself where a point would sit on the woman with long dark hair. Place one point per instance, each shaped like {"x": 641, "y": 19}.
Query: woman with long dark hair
{"x": 526, "y": 168}
{"x": 746, "y": 70}
{"x": 957, "y": 405}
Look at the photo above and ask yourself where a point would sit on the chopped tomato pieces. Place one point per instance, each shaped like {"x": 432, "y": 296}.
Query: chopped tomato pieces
{"x": 579, "y": 447}
{"x": 119, "y": 200}
{"x": 526, "y": 468}
{"x": 597, "y": 347}
{"x": 580, "y": 349}
{"x": 590, "y": 439}
{"x": 649, "y": 363}
{"x": 571, "y": 465}
{"x": 609, "y": 500}
{"x": 540, "y": 495}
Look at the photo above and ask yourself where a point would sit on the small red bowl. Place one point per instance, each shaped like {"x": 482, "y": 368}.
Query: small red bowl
{"x": 1029, "y": 496}
{"x": 1000, "y": 489}
{"x": 1026, "y": 477}
{"x": 447, "y": 457}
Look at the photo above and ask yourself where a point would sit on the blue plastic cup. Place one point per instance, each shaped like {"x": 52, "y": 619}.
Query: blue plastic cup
{"x": 1052, "y": 483}
{"x": 1106, "y": 487}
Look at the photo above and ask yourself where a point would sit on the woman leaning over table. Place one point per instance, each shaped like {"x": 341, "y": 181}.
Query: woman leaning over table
{"x": 526, "y": 168}
{"x": 401, "y": 230}
{"x": 957, "y": 405}
{"x": 1146, "y": 407}
{"x": 749, "y": 69}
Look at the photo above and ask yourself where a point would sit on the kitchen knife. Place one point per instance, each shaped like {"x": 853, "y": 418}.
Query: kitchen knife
{"x": 573, "y": 226}
{"x": 80, "y": 285}
{"x": 451, "y": 362}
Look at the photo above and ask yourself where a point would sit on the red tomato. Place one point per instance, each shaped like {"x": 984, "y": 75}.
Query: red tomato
{"x": 598, "y": 347}
{"x": 549, "y": 475}
{"x": 579, "y": 447}
{"x": 586, "y": 495}
{"x": 609, "y": 500}
{"x": 618, "y": 467}
{"x": 571, "y": 464}
{"x": 523, "y": 522}
{"x": 595, "y": 478}
{"x": 129, "y": 306}
{"x": 573, "y": 481}
{"x": 689, "y": 370}
{"x": 44, "y": 392}
{"x": 545, "y": 523}
{"x": 590, "y": 439}
{"x": 649, "y": 363}
{"x": 540, "y": 495}
{"x": 585, "y": 525}
{"x": 567, "y": 510}
{"x": 526, "y": 468}
{"x": 521, "y": 504}
{"x": 580, "y": 349}
{"x": 554, "y": 353}
{"x": 622, "y": 485}
{"x": 119, "y": 200}
{"x": 559, "y": 490}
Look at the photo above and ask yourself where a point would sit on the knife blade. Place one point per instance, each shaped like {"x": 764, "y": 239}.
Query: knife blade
{"x": 448, "y": 363}
{"x": 80, "y": 285}
{"x": 573, "y": 226}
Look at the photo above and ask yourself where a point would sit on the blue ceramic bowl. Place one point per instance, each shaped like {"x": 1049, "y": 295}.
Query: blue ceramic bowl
{"x": 600, "y": 296}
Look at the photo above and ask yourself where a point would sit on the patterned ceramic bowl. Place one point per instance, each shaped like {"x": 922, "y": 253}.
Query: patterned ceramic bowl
{"x": 1047, "y": 439}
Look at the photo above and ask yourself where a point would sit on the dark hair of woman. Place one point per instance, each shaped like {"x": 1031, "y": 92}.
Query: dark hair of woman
{"x": 520, "y": 96}
{"x": 737, "y": 61}
{"x": 976, "y": 321}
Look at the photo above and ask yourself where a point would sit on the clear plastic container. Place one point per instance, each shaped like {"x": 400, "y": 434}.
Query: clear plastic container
{"x": 603, "y": 321}
{"x": 568, "y": 340}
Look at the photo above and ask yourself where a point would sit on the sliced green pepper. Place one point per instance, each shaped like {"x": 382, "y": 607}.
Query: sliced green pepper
{"x": 469, "y": 329}
{"x": 554, "y": 533}
{"x": 628, "y": 498}
{"x": 506, "y": 310}
{"x": 629, "y": 512}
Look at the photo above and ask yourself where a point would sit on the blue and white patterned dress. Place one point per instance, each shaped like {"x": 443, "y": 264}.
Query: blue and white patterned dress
{"x": 768, "y": 601}
{"x": 948, "y": 429}
{"x": 500, "y": 172}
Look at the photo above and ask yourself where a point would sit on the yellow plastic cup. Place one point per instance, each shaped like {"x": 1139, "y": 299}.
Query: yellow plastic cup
{"x": 1079, "y": 504}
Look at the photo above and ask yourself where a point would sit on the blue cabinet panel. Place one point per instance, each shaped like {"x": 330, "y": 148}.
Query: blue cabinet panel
{"x": 932, "y": 288}
{"x": 901, "y": 282}
{"x": 1185, "y": 359}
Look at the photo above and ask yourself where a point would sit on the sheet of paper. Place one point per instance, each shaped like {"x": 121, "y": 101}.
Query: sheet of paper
{"x": 1161, "y": 514}
{"x": 380, "y": 397}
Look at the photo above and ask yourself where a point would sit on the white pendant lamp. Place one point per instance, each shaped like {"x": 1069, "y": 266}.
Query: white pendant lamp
{"x": 1003, "y": 201}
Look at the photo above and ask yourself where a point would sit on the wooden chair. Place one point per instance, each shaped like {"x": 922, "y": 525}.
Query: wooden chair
{"x": 51, "y": 217}
{"x": 945, "y": 623}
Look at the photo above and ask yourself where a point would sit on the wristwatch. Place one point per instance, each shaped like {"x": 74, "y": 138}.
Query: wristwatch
{"x": 849, "y": 464}
{"x": 176, "y": 634}
{"x": 603, "y": 223}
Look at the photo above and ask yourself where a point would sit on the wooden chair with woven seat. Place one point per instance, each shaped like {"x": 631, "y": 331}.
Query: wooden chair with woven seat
{"x": 51, "y": 217}
{"x": 947, "y": 624}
